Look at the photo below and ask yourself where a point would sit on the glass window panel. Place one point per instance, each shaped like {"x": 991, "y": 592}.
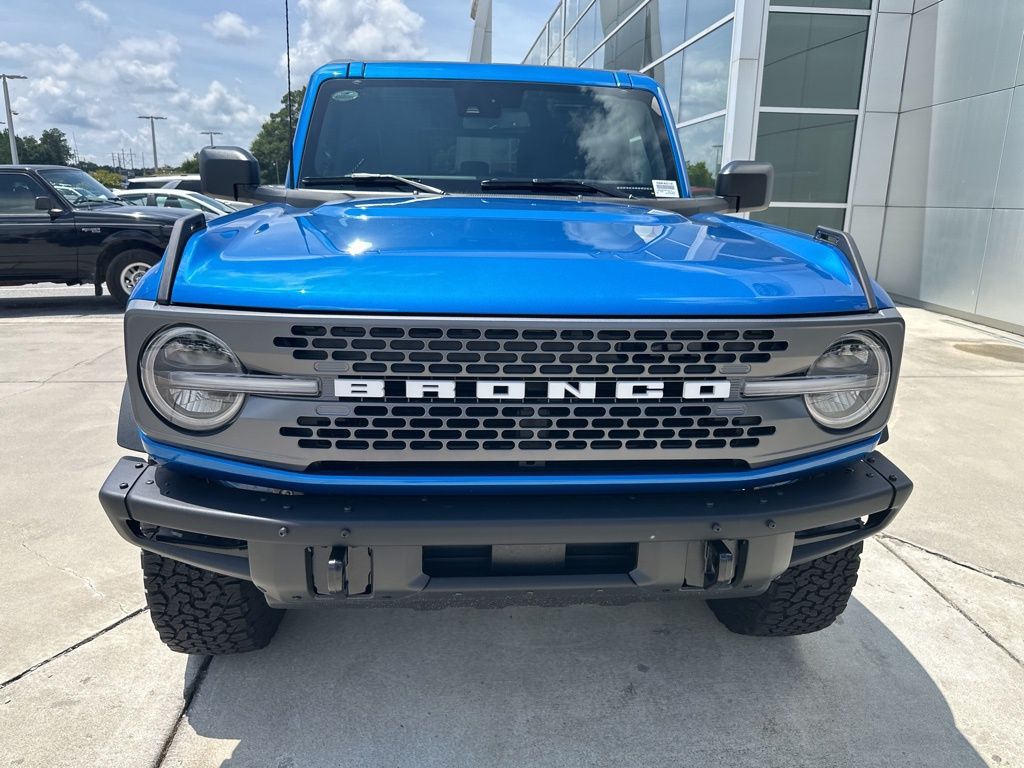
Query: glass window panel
{"x": 596, "y": 61}
{"x": 555, "y": 30}
{"x": 705, "y": 75}
{"x": 585, "y": 35}
{"x": 630, "y": 47}
{"x": 572, "y": 10}
{"x": 814, "y": 60}
{"x": 676, "y": 21}
{"x": 702, "y": 148}
{"x": 612, "y": 12}
{"x": 802, "y": 219}
{"x": 555, "y": 59}
{"x": 670, "y": 74}
{"x": 855, "y": 4}
{"x": 811, "y": 155}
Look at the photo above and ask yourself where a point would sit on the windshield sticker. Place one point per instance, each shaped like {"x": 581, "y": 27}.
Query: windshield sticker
{"x": 665, "y": 188}
{"x": 345, "y": 96}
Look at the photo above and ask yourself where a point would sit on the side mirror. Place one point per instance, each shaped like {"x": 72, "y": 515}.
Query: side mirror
{"x": 747, "y": 184}
{"x": 227, "y": 171}
{"x": 44, "y": 203}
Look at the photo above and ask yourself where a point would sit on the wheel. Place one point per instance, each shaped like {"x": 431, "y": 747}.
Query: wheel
{"x": 126, "y": 269}
{"x": 805, "y": 598}
{"x": 197, "y": 611}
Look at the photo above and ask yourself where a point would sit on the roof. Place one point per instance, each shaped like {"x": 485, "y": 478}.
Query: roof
{"x": 461, "y": 70}
{"x": 33, "y": 167}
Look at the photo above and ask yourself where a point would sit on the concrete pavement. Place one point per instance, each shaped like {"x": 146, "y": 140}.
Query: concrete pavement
{"x": 924, "y": 669}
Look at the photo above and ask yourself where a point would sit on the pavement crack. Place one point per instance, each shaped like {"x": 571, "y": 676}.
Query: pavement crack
{"x": 948, "y": 559}
{"x": 90, "y": 585}
{"x": 189, "y": 694}
{"x": 891, "y": 550}
{"x": 70, "y": 648}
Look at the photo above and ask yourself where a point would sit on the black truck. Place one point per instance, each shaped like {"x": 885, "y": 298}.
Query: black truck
{"x": 59, "y": 224}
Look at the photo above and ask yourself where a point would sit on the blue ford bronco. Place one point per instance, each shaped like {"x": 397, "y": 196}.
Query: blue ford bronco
{"x": 484, "y": 348}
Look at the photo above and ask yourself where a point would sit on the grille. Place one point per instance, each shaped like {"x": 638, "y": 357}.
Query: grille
{"x": 532, "y": 352}
{"x": 542, "y": 429}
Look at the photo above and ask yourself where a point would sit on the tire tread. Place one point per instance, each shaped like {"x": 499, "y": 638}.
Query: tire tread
{"x": 198, "y": 611}
{"x": 806, "y": 598}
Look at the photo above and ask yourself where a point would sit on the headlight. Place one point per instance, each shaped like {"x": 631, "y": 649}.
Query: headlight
{"x": 856, "y": 354}
{"x": 189, "y": 350}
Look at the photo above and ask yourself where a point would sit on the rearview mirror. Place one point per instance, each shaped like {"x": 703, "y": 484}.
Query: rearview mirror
{"x": 228, "y": 171}
{"x": 747, "y": 184}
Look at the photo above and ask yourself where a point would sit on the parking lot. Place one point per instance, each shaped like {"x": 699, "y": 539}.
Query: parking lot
{"x": 924, "y": 669}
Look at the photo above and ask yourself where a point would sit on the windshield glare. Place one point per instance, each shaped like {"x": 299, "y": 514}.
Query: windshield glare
{"x": 77, "y": 186}
{"x": 455, "y": 134}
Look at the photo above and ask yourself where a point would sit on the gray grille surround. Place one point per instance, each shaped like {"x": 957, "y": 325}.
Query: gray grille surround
{"x": 295, "y": 432}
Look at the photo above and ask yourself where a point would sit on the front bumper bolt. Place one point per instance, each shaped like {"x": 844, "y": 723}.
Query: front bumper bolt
{"x": 122, "y": 486}
{"x": 139, "y": 465}
{"x": 345, "y": 533}
{"x": 770, "y": 523}
{"x": 283, "y": 531}
{"x": 716, "y": 527}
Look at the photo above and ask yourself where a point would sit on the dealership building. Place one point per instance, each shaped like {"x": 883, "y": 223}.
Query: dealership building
{"x": 901, "y": 121}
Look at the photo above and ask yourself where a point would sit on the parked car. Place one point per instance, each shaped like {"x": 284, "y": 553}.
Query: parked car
{"x": 59, "y": 224}
{"x": 487, "y": 347}
{"x": 188, "y": 181}
{"x": 177, "y": 198}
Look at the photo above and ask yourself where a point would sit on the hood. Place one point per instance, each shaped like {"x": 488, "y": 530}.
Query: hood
{"x": 130, "y": 215}
{"x": 510, "y": 256}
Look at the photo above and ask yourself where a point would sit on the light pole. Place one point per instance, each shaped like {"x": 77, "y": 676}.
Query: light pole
{"x": 211, "y": 134}
{"x": 10, "y": 115}
{"x": 152, "y": 133}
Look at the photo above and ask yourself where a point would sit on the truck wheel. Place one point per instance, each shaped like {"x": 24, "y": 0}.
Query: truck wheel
{"x": 197, "y": 611}
{"x": 805, "y": 598}
{"x": 126, "y": 269}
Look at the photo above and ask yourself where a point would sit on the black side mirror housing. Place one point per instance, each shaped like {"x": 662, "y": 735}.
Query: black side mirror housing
{"x": 747, "y": 184}
{"x": 228, "y": 171}
{"x": 44, "y": 203}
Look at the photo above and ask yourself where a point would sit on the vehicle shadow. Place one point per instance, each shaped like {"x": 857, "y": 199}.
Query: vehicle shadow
{"x": 655, "y": 684}
{"x": 24, "y": 307}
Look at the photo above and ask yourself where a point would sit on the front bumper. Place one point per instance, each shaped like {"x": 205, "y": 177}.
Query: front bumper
{"x": 361, "y": 549}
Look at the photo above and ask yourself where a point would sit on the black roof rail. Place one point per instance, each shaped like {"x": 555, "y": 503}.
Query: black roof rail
{"x": 183, "y": 229}
{"x": 844, "y": 243}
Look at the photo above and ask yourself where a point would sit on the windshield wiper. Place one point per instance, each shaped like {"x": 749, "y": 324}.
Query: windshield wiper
{"x": 389, "y": 179}
{"x": 567, "y": 185}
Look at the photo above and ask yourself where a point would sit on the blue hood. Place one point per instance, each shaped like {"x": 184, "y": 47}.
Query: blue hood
{"x": 510, "y": 256}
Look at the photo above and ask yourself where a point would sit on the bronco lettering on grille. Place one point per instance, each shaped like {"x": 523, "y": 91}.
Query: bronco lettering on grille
{"x": 525, "y": 390}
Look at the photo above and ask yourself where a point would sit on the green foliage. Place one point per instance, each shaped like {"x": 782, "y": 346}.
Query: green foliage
{"x": 272, "y": 144}
{"x": 191, "y": 165}
{"x": 108, "y": 179}
{"x": 51, "y": 148}
{"x": 699, "y": 175}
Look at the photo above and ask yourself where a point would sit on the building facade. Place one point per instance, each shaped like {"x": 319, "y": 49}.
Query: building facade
{"x": 901, "y": 121}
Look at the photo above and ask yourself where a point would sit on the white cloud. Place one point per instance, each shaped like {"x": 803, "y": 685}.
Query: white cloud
{"x": 97, "y": 15}
{"x": 230, "y": 26}
{"x": 97, "y": 99}
{"x": 359, "y": 29}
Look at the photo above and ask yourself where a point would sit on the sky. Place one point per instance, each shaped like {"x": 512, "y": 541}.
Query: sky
{"x": 95, "y": 65}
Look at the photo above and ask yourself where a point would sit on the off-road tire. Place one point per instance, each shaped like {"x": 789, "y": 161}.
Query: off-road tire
{"x": 117, "y": 266}
{"x": 806, "y": 598}
{"x": 196, "y": 611}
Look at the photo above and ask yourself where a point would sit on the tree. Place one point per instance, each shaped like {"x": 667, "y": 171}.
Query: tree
{"x": 272, "y": 145}
{"x": 699, "y": 175}
{"x": 191, "y": 165}
{"x": 108, "y": 179}
{"x": 51, "y": 148}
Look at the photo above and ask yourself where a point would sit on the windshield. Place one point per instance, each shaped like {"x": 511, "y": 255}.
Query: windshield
{"x": 455, "y": 134}
{"x": 78, "y": 187}
{"x": 212, "y": 202}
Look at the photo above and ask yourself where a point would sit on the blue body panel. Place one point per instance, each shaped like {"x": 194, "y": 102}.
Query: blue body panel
{"x": 511, "y": 256}
{"x": 194, "y": 462}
